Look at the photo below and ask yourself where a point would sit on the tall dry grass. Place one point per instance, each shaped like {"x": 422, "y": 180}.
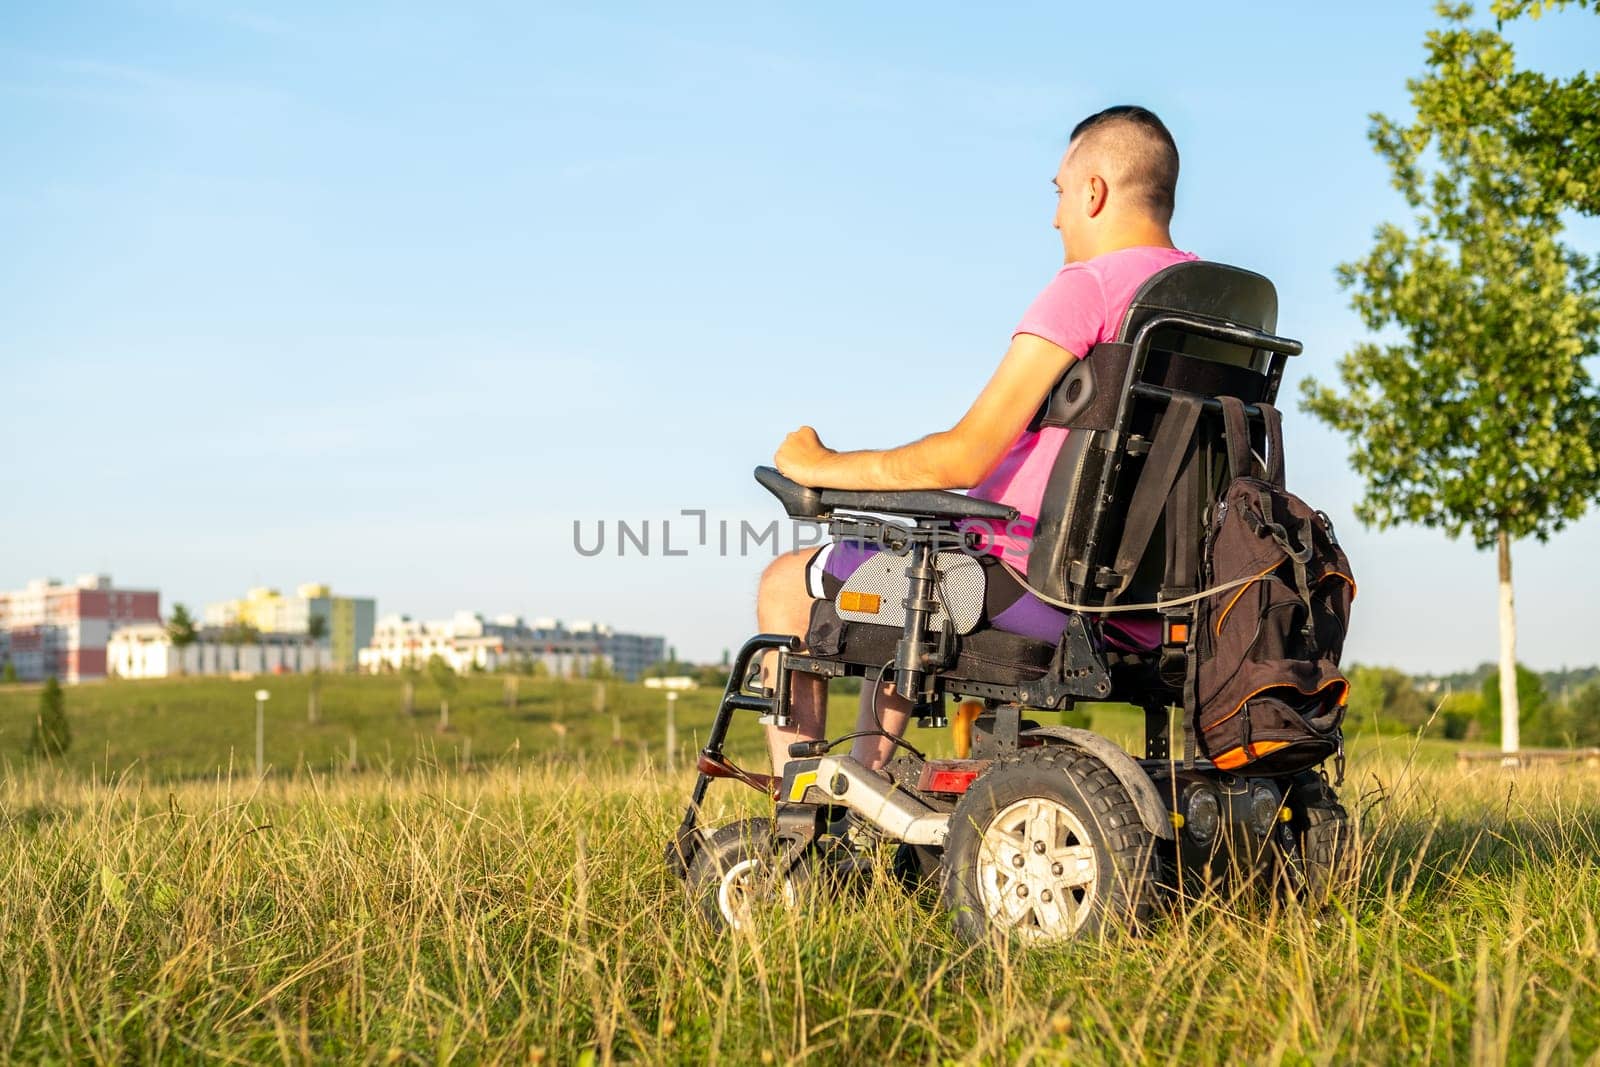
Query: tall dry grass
{"x": 524, "y": 914}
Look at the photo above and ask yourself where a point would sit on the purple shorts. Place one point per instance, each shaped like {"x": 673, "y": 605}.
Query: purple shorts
{"x": 1007, "y": 604}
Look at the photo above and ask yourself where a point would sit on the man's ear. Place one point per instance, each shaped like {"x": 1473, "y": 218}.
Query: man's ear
{"x": 1097, "y": 195}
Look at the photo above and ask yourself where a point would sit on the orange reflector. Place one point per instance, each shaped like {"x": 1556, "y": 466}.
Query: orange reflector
{"x": 866, "y": 603}
{"x": 1177, "y": 633}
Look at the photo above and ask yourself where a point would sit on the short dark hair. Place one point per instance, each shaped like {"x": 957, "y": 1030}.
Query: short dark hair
{"x": 1149, "y": 154}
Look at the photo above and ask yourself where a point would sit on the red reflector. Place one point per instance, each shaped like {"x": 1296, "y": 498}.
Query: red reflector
{"x": 950, "y": 781}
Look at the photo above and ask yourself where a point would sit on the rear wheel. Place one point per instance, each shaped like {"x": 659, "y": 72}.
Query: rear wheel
{"x": 1048, "y": 846}
{"x": 1321, "y": 857}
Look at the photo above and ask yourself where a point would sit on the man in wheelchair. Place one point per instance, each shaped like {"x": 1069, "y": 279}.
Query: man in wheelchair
{"x": 1115, "y": 191}
{"x": 1128, "y": 538}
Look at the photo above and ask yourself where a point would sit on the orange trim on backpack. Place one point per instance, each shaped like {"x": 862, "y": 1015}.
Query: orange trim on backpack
{"x": 1241, "y": 592}
{"x": 1346, "y": 577}
{"x": 1238, "y": 757}
{"x": 1345, "y": 696}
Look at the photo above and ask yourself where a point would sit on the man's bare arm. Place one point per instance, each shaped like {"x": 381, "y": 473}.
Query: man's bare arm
{"x": 957, "y": 458}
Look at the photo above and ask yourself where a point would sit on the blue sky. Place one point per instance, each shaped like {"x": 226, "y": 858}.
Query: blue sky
{"x": 390, "y": 295}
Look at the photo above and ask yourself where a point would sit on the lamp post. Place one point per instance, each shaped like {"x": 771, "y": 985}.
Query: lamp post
{"x": 672, "y": 731}
{"x": 261, "y": 731}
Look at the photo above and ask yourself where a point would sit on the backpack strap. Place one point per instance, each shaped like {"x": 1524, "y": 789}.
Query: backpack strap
{"x": 1236, "y": 432}
{"x": 1274, "y": 422}
{"x": 1174, "y": 440}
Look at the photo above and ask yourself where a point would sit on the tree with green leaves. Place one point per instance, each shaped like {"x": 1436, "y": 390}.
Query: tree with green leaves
{"x": 1385, "y": 700}
{"x": 8, "y": 673}
{"x": 1479, "y": 417}
{"x": 409, "y": 674}
{"x": 316, "y": 630}
{"x": 52, "y": 734}
{"x": 1583, "y": 715}
{"x": 444, "y": 679}
{"x": 240, "y": 633}
{"x": 181, "y": 631}
{"x": 1551, "y": 121}
{"x": 1532, "y": 705}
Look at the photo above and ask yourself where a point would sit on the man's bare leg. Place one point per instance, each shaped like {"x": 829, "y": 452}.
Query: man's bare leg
{"x": 783, "y": 607}
{"x": 890, "y": 714}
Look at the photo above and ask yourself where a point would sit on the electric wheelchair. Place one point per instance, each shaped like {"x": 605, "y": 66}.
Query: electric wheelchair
{"x": 1043, "y": 832}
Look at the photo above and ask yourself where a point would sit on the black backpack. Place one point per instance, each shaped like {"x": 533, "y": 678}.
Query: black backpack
{"x": 1264, "y": 684}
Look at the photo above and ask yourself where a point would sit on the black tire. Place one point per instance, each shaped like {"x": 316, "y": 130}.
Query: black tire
{"x": 1097, "y": 837}
{"x": 1322, "y": 860}
{"x": 917, "y": 868}
{"x": 732, "y": 875}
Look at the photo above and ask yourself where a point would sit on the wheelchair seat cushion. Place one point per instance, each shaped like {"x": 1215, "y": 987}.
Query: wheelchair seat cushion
{"x": 1008, "y": 606}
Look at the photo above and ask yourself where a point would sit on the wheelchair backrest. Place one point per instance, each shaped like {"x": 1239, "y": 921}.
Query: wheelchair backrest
{"x": 1197, "y": 328}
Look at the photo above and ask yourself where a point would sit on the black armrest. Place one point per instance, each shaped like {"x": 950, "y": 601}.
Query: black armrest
{"x": 805, "y": 502}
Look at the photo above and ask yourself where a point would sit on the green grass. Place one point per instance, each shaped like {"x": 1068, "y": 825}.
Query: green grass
{"x": 172, "y": 729}
{"x": 518, "y": 911}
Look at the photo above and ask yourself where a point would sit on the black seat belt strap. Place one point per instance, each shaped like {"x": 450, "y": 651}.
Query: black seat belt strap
{"x": 1183, "y": 530}
{"x": 1168, "y": 453}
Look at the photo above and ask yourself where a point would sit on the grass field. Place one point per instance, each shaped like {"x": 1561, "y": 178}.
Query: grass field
{"x": 168, "y": 730}
{"x": 516, "y": 910}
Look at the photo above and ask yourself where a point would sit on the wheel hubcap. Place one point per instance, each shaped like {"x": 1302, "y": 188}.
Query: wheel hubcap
{"x": 1037, "y": 870}
{"x": 744, "y": 886}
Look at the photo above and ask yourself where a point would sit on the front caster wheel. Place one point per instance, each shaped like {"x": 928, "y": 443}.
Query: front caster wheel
{"x": 734, "y": 876}
{"x": 1048, "y": 846}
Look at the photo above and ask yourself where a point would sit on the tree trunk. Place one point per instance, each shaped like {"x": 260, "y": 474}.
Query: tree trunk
{"x": 444, "y": 716}
{"x": 313, "y": 703}
{"x": 1510, "y": 713}
{"x": 408, "y": 697}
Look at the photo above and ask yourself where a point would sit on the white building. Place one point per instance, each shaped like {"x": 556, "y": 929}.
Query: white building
{"x": 147, "y": 651}
{"x": 468, "y": 641}
{"x": 50, "y": 628}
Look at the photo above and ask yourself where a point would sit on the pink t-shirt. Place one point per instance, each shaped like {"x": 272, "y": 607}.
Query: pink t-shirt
{"x": 1083, "y": 305}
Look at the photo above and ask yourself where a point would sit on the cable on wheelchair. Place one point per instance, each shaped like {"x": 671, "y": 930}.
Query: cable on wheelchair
{"x": 900, "y": 741}
{"x": 877, "y": 691}
{"x": 1157, "y": 605}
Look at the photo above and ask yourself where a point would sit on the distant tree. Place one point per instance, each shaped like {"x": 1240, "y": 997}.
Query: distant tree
{"x": 599, "y": 669}
{"x": 316, "y": 630}
{"x": 1532, "y": 706}
{"x": 409, "y": 674}
{"x": 712, "y": 677}
{"x": 1481, "y": 417}
{"x": 8, "y": 673}
{"x": 52, "y": 735}
{"x": 1385, "y": 700}
{"x": 444, "y": 679}
{"x": 181, "y": 631}
{"x": 1583, "y": 715}
{"x": 240, "y": 633}
{"x": 1459, "y": 713}
{"x": 667, "y": 668}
